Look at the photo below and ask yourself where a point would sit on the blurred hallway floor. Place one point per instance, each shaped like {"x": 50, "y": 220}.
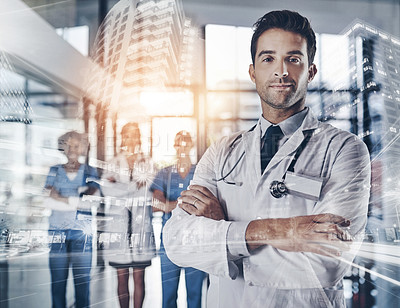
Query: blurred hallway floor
{"x": 29, "y": 285}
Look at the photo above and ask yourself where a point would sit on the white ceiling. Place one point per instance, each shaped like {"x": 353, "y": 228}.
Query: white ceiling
{"x": 36, "y": 51}
{"x": 326, "y": 16}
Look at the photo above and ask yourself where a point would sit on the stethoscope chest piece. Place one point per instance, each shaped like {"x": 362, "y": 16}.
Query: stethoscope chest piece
{"x": 278, "y": 189}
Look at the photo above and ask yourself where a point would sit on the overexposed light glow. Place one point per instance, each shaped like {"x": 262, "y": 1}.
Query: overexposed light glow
{"x": 227, "y": 55}
{"x": 78, "y": 37}
{"x": 167, "y": 103}
{"x": 164, "y": 131}
{"x": 243, "y": 39}
{"x": 335, "y": 65}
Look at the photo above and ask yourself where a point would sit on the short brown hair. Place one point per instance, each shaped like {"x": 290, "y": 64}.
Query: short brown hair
{"x": 288, "y": 21}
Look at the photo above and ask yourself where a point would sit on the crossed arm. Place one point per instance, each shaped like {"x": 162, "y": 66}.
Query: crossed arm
{"x": 310, "y": 233}
{"x": 201, "y": 235}
{"x": 346, "y": 191}
{"x": 56, "y": 195}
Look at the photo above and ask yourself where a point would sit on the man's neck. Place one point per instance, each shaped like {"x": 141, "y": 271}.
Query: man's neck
{"x": 276, "y": 116}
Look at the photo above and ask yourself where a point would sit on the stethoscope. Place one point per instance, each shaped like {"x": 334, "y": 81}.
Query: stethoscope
{"x": 278, "y": 189}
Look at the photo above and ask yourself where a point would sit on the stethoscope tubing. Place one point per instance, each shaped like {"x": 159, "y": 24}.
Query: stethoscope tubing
{"x": 282, "y": 187}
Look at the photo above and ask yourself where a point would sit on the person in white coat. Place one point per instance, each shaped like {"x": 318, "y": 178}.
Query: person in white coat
{"x": 125, "y": 178}
{"x": 284, "y": 236}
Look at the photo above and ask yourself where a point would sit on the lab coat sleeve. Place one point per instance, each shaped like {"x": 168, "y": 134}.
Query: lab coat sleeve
{"x": 199, "y": 242}
{"x": 346, "y": 189}
{"x": 345, "y": 193}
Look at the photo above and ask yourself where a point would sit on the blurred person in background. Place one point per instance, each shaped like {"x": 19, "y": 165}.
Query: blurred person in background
{"x": 66, "y": 183}
{"x": 167, "y": 187}
{"x": 125, "y": 178}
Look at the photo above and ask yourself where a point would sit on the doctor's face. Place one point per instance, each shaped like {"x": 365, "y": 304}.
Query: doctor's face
{"x": 281, "y": 71}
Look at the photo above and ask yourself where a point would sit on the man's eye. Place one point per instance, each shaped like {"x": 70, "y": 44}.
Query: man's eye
{"x": 294, "y": 60}
{"x": 267, "y": 60}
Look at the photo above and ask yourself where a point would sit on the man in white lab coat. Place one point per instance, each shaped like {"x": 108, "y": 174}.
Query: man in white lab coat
{"x": 293, "y": 248}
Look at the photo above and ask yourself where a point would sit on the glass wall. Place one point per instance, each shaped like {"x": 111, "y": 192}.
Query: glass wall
{"x": 103, "y": 64}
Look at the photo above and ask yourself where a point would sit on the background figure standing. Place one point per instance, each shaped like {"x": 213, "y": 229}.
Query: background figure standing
{"x": 124, "y": 179}
{"x": 167, "y": 187}
{"x": 66, "y": 183}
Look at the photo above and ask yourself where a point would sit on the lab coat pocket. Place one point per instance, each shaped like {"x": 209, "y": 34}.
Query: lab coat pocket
{"x": 297, "y": 206}
{"x": 239, "y": 198}
{"x": 303, "y": 186}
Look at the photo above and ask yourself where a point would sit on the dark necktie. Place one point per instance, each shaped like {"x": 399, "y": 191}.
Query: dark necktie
{"x": 271, "y": 144}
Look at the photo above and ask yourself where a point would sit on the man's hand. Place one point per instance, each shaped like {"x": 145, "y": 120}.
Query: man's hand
{"x": 199, "y": 201}
{"x": 323, "y": 234}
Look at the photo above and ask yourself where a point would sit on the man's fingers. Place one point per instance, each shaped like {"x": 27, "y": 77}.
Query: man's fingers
{"x": 329, "y": 239}
{"x": 190, "y": 199}
{"x": 188, "y": 208}
{"x": 193, "y": 194}
{"x": 334, "y": 230}
{"x": 204, "y": 190}
{"x": 197, "y": 203}
{"x": 327, "y": 217}
{"x": 196, "y": 194}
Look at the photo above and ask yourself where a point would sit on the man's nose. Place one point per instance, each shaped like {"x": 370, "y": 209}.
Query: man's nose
{"x": 281, "y": 70}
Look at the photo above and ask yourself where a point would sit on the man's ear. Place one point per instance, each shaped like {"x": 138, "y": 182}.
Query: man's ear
{"x": 312, "y": 71}
{"x": 252, "y": 73}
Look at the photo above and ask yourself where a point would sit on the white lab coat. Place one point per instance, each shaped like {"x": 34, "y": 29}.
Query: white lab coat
{"x": 271, "y": 277}
{"x": 124, "y": 194}
{"x": 124, "y": 187}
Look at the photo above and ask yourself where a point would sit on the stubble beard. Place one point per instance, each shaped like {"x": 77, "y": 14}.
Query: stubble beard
{"x": 283, "y": 101}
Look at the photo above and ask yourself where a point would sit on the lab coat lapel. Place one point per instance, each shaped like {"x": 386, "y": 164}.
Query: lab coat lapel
{"x": 251, "y": 142}
{"x": 289, "y": 148}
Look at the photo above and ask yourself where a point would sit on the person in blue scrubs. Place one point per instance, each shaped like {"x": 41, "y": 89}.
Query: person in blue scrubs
{"x": 65, "y": 183}
{"x": 167, "y": 187}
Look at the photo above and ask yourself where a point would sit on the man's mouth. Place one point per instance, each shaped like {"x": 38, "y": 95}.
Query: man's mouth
{"x": 281, "y": 86}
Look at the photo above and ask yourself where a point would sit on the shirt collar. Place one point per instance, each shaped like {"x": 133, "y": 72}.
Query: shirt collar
{"x": 288, "y": 126}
